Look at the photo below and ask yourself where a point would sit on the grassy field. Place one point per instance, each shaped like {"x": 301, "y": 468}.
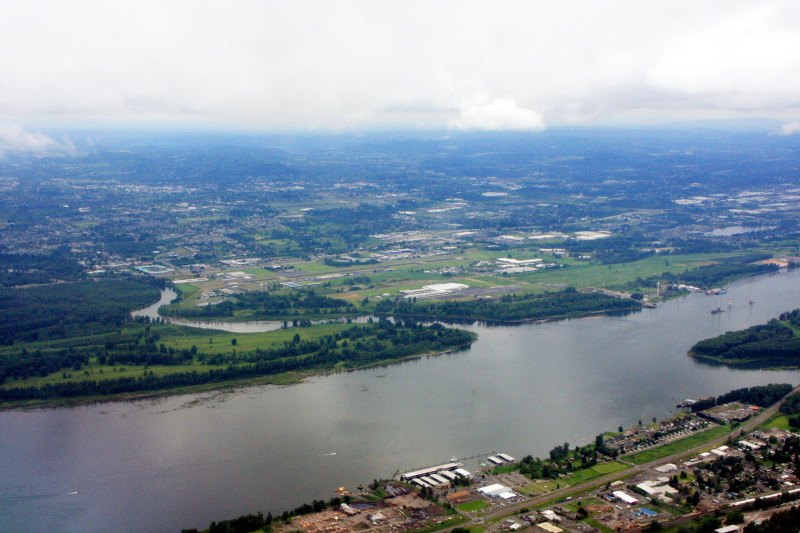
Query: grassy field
{"x": 588, "y": 474}
{"x": 777, "y": 421}
{"x": 678, "y": 445}
{"x": 617, "y": 276}
{"x": 210, "y": 341}
{"x": 473, "y": 506}
{"x": 530, "y": 490}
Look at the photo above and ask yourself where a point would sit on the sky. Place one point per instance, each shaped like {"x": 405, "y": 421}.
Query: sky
{"x": 383, "y": 64}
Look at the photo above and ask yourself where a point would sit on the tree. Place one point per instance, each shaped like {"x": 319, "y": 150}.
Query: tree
{"x": 234, "y": 341}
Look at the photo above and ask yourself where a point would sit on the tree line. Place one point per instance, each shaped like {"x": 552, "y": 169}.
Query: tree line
{"x": 359, "y": 345}
{"x": 265, "y": 304}
{"x": 762, "y": 396}
{"x": 511, "y": 307}
{"x": 72, "y": 309}
{"x": 710, "y": 275}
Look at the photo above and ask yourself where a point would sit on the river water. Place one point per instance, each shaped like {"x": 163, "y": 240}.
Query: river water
{"x": 183, "y": 461}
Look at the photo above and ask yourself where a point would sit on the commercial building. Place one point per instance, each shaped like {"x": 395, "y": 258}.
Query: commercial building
{"x": 625, "y": 497}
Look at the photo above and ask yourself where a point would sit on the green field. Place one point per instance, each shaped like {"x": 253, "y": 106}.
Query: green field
{"x": 473, "y": 506}
{"x": 588, "y": 474}
{"x": 678, "y": 445}
{"x": 504, "y": 469}
{"x": 777, "y": 421}
{"x": 618, "y": 275}
{"x": 211, "y": 341}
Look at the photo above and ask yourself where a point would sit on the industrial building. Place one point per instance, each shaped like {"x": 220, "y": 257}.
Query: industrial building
{"x": 497, "y": 491}
{"x": 421, "y": 483}
{"x": 431, "y": 470}
{"x": 433, "y": 291}
{"x": 625, "y": 497}
{"x": 441, "y": 479}
{"x": 452, "y": 476}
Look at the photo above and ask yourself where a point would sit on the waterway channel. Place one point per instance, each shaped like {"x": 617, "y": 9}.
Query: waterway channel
{"x": 183, "y": 461}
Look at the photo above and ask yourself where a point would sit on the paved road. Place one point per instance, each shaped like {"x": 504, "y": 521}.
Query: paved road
{"x": 565, "y": 492}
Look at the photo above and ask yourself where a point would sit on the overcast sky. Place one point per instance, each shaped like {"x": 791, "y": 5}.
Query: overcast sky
{"x": 301, "y": 64}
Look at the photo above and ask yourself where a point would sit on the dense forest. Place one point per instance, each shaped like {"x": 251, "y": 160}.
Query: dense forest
{"x": 357, "y": 346}
{"x": 512, "y": 307}
{"x": 791, "y": 408}
{"x": 28, "y": 269}
{"x": 763, "y": 345}
{"x": 72, "y": 309}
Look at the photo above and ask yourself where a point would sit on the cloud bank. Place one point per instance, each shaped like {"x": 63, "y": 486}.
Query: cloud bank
{"x": 13, "y": 138}
{"x": 312, "y": 64}
{"x": 790, "y": 128}
{"x": 500, "y": 115}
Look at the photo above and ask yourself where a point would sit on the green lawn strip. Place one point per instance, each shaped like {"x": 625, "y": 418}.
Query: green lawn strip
{"x": 677, "y": 446}
{"x": 504, "y": 469}
{"x": 588, "y": 474}
{"x": 530, "y": 490}
{"x": 545, "y": 485}
{"x": 477, "y": 529}
{"x": 473, "y": 506}
{"x": 777, "y": 421}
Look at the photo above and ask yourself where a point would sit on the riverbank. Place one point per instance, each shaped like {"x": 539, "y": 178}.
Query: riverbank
{"x": 749, "y": 364}
{"x": 283, "y": 379}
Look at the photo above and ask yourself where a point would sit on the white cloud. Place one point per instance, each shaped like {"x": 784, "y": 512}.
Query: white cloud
{"x": 749, "y": 61}
{"x": 500, "y": 115}
{"x": 356, "y": 63}
{"x": 13, "y": 138}
{"x": 790, "y": 128}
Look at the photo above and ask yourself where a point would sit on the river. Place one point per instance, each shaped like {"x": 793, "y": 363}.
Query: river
{"x": 183, "y": 461}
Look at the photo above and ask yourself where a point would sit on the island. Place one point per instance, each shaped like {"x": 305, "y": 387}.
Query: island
{"x": 771, "y": 345}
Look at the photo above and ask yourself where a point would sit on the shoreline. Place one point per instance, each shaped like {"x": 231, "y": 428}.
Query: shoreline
{"x": 284, "y": 379}
{"x": 749, "y": 364}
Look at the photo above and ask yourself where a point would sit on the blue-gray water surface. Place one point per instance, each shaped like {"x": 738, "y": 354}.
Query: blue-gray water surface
{"x": 183, "y": 461}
